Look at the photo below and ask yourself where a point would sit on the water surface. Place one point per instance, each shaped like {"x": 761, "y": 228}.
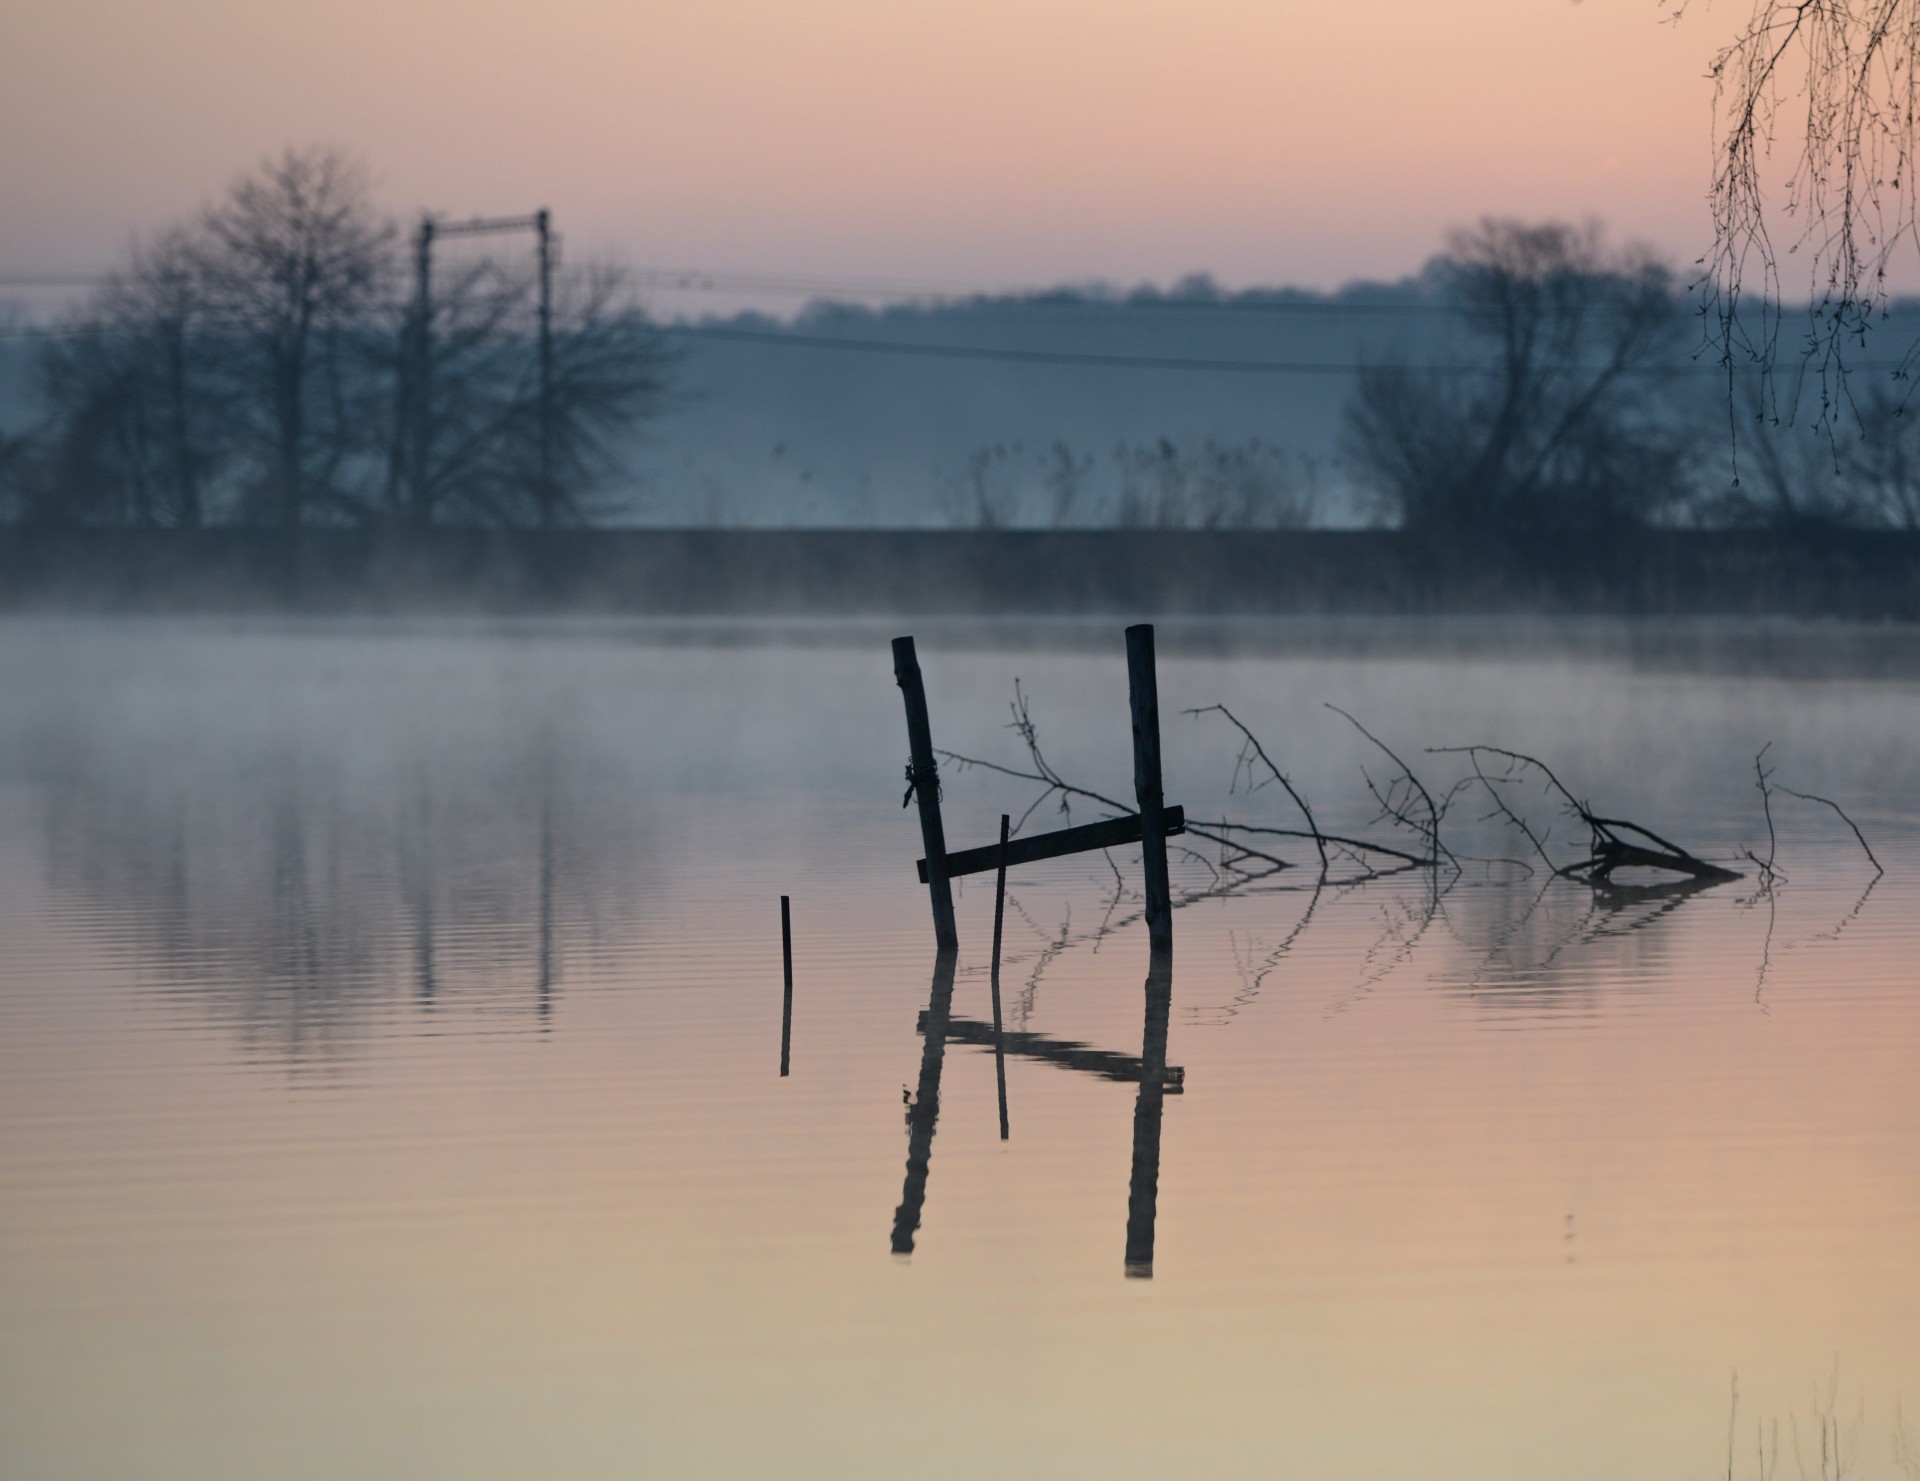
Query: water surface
{"x": 390, "y": 1021}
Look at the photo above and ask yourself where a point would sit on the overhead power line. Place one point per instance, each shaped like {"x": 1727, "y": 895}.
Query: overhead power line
{"x": 1021, "y": 355}
{"x": 826, "y": 289}
{"x": 1015, "y": 355}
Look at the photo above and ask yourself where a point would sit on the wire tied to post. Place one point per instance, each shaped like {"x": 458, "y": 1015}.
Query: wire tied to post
{"x": 918, "y": 779}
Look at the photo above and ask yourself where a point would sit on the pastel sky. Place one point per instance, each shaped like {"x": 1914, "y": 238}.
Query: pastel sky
{"x": 985, "y": 141}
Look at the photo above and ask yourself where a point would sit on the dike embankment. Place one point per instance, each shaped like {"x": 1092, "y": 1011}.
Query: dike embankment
{"x": 1854, "y": 576}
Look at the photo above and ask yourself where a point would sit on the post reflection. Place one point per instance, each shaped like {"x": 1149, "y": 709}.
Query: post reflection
{"x": 923, "y": 1112}
{"x": 1149, "y": 1070}
{"x": 1143, "y": 1190}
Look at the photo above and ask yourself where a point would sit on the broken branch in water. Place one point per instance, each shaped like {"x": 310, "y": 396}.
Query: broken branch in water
{"x": 1404, "y": 801}
{"x": 1236, "y": 839}
{"x": 1609, "y": 848}
{"x": 1363, "y": 854}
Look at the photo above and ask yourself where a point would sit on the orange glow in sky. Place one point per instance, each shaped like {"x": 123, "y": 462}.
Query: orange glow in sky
{"x": 978, "y": 140}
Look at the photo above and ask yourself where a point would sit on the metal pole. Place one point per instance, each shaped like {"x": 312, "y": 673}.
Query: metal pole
{"x": 923, "y": 782}
{"x": 548, "y": 494}
{"x": 1144, "y": 692}
{"x": 422, "y": 369}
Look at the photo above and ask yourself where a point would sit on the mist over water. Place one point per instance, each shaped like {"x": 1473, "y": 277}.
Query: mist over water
{"x": 390, "y": 1023}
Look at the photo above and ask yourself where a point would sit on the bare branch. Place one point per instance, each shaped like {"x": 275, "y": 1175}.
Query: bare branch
{"x": 1395, "y": 809}
{"x": 1253, "y": 741}
{"x": 1878, "y": 868}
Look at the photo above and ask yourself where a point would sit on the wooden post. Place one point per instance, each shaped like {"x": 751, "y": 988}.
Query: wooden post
{"x": 1144, "y": 692}
{"x": 999, "y": 916}
{"x": 786, "y": 1003}
{"x": 923, "y": 780}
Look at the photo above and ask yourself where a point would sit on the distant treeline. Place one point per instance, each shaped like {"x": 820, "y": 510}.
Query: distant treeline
{"x": 279, "y": 363}
{"x": 1577, "y": 396}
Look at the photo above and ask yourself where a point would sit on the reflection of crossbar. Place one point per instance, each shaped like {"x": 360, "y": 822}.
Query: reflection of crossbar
{"x": 1107, "y": 833}
{"x": 1063, "y": 1052}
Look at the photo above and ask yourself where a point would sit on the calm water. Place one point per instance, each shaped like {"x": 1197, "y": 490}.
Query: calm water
{"x": 389, "y": 1036}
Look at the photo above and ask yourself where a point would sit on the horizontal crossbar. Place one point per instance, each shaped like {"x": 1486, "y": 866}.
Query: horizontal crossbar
{"x": 1063, "y": 1052}
{"x": 1107, "y": 833}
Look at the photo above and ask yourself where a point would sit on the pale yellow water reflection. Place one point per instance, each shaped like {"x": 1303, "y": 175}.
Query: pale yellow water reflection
{"x": 389, "y": 1032}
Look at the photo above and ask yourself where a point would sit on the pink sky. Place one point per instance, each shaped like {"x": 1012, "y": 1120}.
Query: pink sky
{"x": 942, "y": 140}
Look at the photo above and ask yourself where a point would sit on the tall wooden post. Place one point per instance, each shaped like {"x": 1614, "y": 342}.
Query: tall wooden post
{"x": 999, "y": 919}
{"x": 1144, "y": 692}
{"x": 923, "y": 778}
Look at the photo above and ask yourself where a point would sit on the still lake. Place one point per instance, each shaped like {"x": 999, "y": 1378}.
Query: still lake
{"x": 390, "y": 1032}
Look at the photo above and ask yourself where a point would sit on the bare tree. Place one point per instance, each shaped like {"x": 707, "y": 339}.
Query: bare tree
{"x": 1884, "y": 463}
{"x": 443, "y": 434}
{"x": 611, "y": 371}
{"x": 295, "y": 261}
{"x": 1794, "y": 478}
{"x": 132, "y": 437}
{"x": 481, "y": 430}
{"x": 1564, "y": 434}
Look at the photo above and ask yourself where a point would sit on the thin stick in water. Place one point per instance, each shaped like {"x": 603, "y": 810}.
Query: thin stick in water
{"x": 786, "y": 1004}
{"x": 999, "y": 917}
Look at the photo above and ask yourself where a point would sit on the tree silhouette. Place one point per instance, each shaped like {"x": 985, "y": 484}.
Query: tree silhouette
{"x": 1564, "y": 434}
{"x": 294, "y": 260}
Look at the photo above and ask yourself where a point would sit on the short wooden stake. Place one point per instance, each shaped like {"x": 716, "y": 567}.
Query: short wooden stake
{"x": 1144, "y": 693}
{"x": 999, "y": 916}
{"x": 923, "y": 783}
{"x": 786, "y": 1005}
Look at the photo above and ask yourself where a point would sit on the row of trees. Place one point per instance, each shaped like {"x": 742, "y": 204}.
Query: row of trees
{"x": 1582, "y": 410}
{"x": 1584, "y": 394}
{"x": 1584, "y": 401}
{"x": 274, "y": 363}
